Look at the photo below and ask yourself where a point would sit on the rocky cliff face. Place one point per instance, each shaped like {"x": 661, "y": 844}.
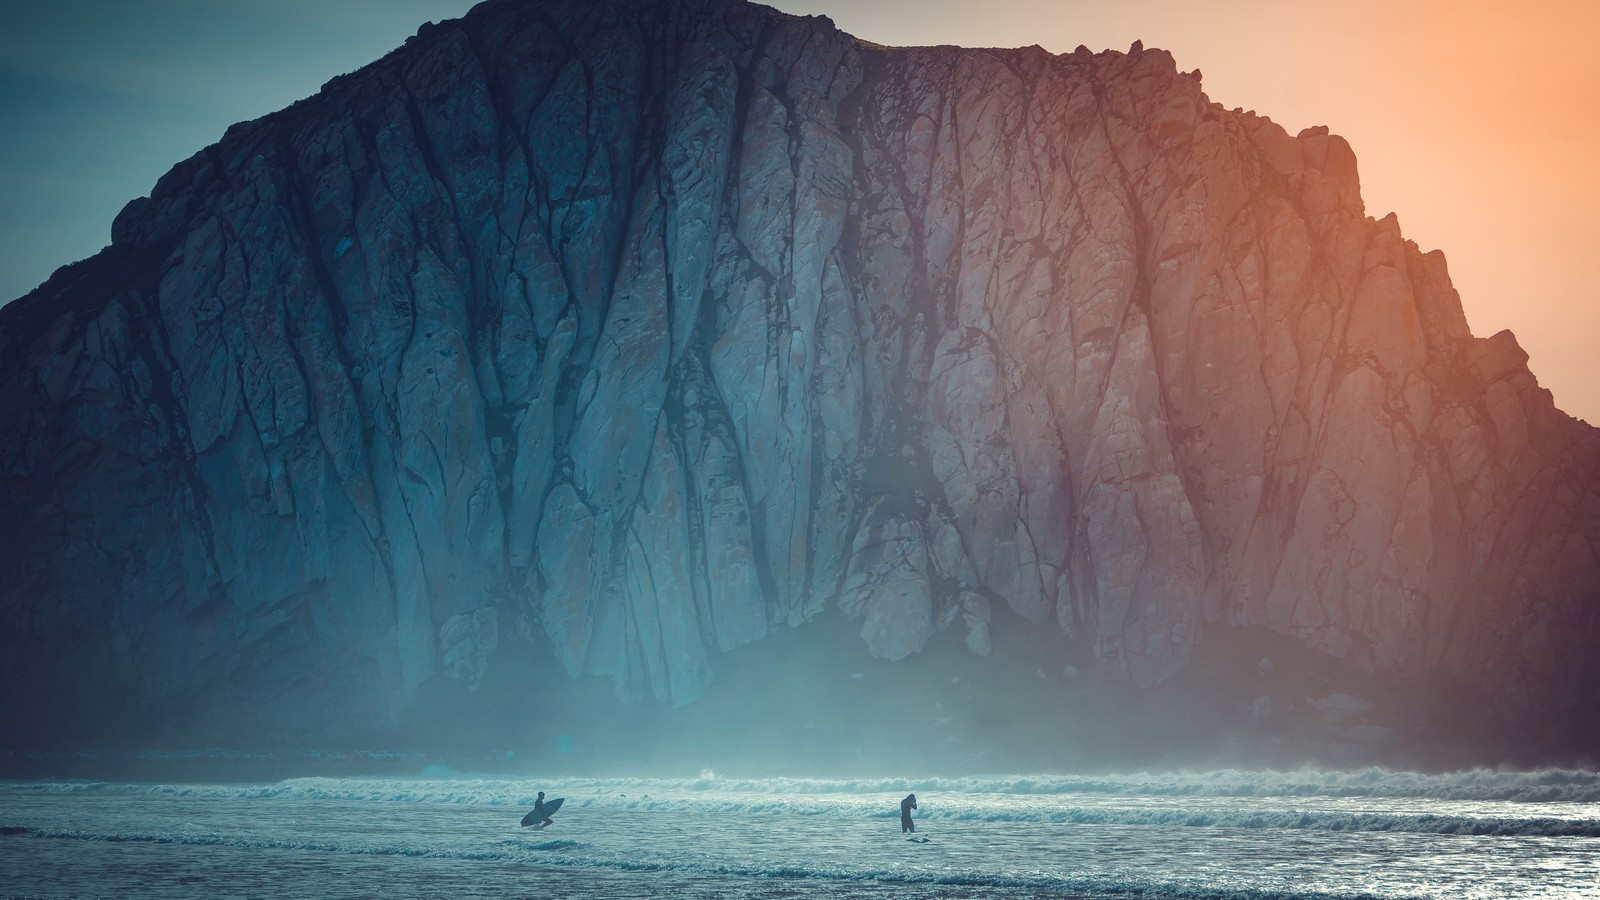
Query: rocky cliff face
{"x": 642, "y": 330}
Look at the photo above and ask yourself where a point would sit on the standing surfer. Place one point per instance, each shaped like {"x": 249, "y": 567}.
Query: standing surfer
{"x": 540, "y": 817}
{"x": 906, "y": 806}
{"x": 539, "y": 813}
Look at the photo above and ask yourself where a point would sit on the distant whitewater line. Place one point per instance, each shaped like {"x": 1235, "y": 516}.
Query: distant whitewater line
{"x": 1544, "y": 786}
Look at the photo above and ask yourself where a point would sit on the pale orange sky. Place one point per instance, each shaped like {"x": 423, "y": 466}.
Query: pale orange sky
{"x": 1477, "y": 123}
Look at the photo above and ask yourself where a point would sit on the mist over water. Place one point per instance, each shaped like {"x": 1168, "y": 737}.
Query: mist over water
{"x": 812, "y": 702}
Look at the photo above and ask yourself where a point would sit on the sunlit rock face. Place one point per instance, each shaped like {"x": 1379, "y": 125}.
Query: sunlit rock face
{"x": 643, "y": 330}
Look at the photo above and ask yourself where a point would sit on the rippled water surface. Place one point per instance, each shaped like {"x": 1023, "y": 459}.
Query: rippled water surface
{"x": 1219, "y": 834}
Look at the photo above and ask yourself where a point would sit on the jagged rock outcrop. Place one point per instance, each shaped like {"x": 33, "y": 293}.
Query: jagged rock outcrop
{"x": 646, "y": 329}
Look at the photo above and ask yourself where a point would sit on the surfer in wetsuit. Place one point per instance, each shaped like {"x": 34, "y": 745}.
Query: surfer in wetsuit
{"x": 906, "y": 806}
{"x": 539, "y": 813}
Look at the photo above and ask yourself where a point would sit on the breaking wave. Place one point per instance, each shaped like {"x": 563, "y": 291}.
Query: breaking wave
{"x": 1546, "y": 786}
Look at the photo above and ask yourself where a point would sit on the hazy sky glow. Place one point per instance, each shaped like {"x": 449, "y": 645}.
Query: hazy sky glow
{"x": 1474, "y": 121}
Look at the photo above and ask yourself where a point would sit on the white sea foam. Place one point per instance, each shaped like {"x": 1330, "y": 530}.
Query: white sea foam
{"x": 1538, "y": 786}
{"x": 1545, "y": 786}
{"x": 71, "y": 787}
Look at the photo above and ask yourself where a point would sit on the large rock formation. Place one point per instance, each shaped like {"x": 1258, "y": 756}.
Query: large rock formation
{"x": 646, "y": 329}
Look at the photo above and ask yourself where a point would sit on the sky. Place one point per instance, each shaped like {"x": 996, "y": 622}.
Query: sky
{"x": 1476, "y": 122}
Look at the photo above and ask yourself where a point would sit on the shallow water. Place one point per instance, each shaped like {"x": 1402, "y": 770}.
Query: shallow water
{"x": 1218, "y": 834}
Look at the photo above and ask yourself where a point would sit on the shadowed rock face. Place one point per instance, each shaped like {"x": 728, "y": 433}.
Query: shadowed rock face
{"x": 641, "y": 330}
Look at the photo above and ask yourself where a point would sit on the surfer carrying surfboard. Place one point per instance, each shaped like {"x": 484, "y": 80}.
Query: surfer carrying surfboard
{"x": 539, "y": 814}
{"x": 906, "y": 806}
{"x": 542, "y": 811}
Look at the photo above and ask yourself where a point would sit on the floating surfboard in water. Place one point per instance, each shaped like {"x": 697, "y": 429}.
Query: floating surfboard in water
{"x": 550, "y": 807}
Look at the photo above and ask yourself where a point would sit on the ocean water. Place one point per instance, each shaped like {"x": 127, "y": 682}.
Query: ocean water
{"x": 1224, "y": 834}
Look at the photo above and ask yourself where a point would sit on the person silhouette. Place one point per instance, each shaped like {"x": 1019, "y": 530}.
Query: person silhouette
{"x": 538, "y": 818}
{"x": 906, "y": 806}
